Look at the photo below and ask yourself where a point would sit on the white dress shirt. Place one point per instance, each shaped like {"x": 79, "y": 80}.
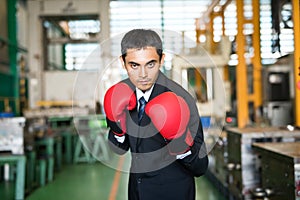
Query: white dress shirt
{"x": 146, "y": 95}
{"x": 139, "y": 94}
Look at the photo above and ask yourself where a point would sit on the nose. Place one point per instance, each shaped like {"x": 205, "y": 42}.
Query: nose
{"x": 142, "y": 71}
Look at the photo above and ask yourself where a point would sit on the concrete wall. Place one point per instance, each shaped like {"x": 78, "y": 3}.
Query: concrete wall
{"x": 38, "y": 85}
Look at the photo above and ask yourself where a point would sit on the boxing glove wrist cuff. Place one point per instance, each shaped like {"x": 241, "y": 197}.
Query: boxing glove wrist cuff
{"x": 182, "y": 156}
{"x": 120, "y": 139}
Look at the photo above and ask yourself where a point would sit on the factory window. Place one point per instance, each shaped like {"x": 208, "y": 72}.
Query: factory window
{"x": 276, "y": 30}
{"x": 171, "y": 18}
{"x": 276, "y": 36}
{"x": 71, "y": 43}
{"x": 83, "y": 56}
{"x": 80, "y": 56}
{"x": 230, "y": 21}
{"x": 166, "y": 15}
{"x": 83, "y": 29}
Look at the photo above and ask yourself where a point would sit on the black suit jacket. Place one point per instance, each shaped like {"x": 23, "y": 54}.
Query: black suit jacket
{"x": 155, "y": 173}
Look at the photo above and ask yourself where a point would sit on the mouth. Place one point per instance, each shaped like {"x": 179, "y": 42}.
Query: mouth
{"x": 144, "y": 82}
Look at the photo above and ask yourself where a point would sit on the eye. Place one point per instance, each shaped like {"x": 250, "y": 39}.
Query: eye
{"x": 151, "y": 64}
{"x": 133, "y": 65}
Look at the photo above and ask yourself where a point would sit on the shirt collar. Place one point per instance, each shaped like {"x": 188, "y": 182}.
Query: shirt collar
{"x": 146, "y": 95}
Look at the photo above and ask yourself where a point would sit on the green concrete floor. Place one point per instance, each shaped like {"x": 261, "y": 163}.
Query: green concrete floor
{"x": 93, "y": 182}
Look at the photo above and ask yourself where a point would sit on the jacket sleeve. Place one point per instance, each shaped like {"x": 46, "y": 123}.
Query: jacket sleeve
{"x": 118, "y": 147}
{"x": 197, "y": 162}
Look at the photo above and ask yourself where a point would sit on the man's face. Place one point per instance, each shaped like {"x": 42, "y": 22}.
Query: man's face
{"x": 142, "y": 66}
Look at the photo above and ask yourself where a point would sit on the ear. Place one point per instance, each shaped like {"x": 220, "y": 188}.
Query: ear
{"x": 162, "y": 60}
{"x": 122, "y": 61}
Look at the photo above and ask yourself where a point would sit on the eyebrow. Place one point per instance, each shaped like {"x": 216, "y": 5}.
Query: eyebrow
{"x": 151, "y": 61}
{"x": 134, "y": 63}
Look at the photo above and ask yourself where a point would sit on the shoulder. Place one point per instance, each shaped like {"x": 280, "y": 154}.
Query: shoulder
{"x": 129, "y": 83}
{"x": 175, "y": 87}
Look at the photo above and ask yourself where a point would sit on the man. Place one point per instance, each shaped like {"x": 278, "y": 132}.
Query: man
{"x": 157, "y": 120}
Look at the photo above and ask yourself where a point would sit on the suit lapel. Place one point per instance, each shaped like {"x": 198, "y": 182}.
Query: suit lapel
{"x": 159, "y": 87}
{"x": 146, "y": 128}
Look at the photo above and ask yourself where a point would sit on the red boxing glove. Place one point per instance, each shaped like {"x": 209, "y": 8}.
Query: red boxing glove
{"x": 118, "y": 99}
{"x": 169, "y": 114}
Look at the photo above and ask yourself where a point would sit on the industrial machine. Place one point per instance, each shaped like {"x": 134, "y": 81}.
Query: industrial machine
{"x": 280, "y": 171}
{"x": 243, "y": 163}
{"x": 11, "y": 135}
{"x": 201, "y": 73}
{"x": 218, "y": 160}
{"x": 278, "y": 90}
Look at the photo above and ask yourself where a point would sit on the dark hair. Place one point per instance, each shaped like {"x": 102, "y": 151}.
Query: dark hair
{"x": 141, "y": 38}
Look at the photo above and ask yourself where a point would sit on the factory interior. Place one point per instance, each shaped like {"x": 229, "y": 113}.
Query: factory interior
{"x": 239, "y": 59}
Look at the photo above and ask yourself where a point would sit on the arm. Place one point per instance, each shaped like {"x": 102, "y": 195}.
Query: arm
{"x": 178, "y": 121}
{"x": 117, "y": 146}
{"x": 118, "y": 100}
{"x": 197, "y": 162}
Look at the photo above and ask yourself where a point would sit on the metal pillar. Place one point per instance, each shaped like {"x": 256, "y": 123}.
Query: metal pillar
{"x": 256, "y": 60}
{"x": 243, "y": 97}
{"x": 241, "y": 70}
{"x": 13, "y": 48}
